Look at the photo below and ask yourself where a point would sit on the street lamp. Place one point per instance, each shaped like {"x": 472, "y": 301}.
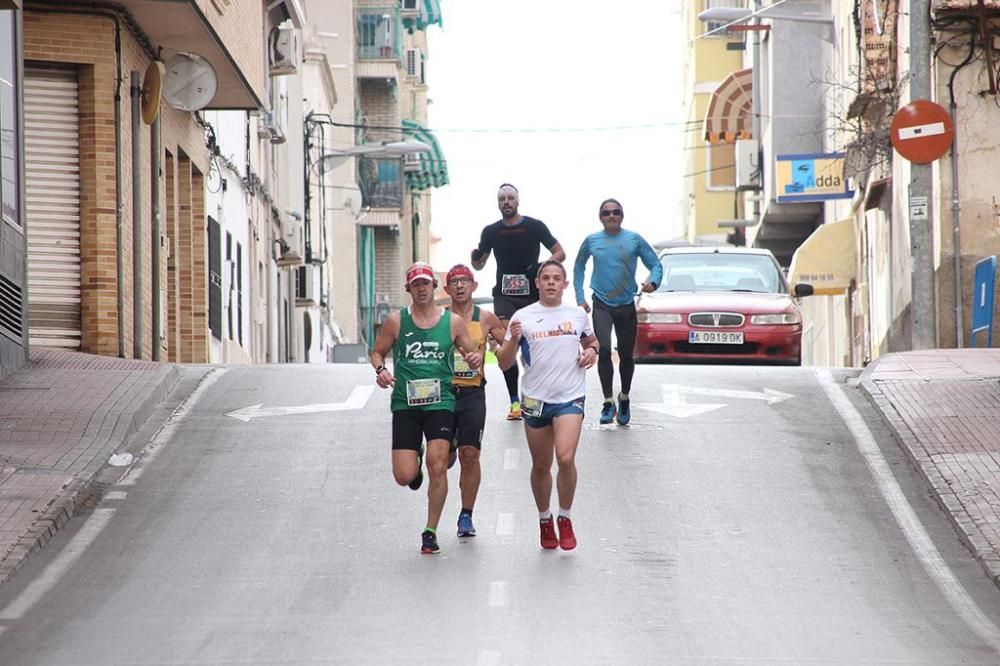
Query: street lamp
{"x": 738, "y": 15}
{"x": 335, "y": 158}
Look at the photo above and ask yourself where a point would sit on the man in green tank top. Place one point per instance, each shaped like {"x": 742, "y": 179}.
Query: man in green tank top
{"x": 423, "y": 339}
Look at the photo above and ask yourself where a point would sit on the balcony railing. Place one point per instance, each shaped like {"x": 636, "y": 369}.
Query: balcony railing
{"x": 381, "y": 182}
{"x": 379, "y": 34}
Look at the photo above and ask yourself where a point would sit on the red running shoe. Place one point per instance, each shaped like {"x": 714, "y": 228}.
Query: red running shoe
{"x": 567, "y": 540}
{"x": 549, "y": 539}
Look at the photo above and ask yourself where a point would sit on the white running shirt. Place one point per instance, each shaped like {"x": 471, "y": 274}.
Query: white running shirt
{"x": 550, "y": 351}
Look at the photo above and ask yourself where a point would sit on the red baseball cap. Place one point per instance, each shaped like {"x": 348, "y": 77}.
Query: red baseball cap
{"x": 420, "y": 271}
{"x": 459, "y": 270}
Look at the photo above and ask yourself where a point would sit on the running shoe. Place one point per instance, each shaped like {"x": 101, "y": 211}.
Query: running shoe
{"x": 624, "y": 412}
{"x": 567, "y": 540}
{"x": 515, "y": 411}
{"x": 418, "y": 480}
{"x": 430, "y": 543}
{"x": 465, "y": 526}
{"x": 608, "y": 413}
{"x": 549, "y": 538}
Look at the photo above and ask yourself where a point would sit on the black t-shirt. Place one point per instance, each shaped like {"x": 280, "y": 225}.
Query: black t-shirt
{"x": 515, "y": 248}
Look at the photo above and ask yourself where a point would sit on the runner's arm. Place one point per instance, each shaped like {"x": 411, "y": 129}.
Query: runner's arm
{"x": 387, "y": 336}
{"x": 580, "y": 272}
{"x": 507, "y": 353}
{"x": 494, "y": 327}
{"x": 460, "y": 335}
{"x": 558, "y": 253}
{"x": 589, "y": 344}
{"x": 482, "y": 253}
{"x": 652, "y": 262}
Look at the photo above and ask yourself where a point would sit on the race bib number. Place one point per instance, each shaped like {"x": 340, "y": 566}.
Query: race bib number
{"x": 462, "y": 369}
{"x": 531, "y": 406}
{"x": 515, "y": 285}
{"x": 421, "y": 392}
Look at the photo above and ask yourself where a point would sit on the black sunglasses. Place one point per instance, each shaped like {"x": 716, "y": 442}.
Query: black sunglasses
{"x": 609, "y": 213}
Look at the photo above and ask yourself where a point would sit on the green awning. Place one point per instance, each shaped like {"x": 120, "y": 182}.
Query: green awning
{"x": 433, "y": 168}
{"x": 429, "y": 14}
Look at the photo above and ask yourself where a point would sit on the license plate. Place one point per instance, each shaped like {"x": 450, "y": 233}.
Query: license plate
{"x": 716, "y": 337}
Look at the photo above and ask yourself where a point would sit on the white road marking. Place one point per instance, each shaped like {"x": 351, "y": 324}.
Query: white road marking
{"x": 357, "y": 400}
{"x": 907, "y": 519}
{"x": 489, "y": 658}
{"x": 511, "y": 459}
{"x": 768, "y": 395}
{"x": 675, "y": 405}
{"x": 166, "y": 431}
{"x": 505, "y": 524}
{"x": 115, "y": 495}
{"x": 498, "y": 594}
{"x": 41, "y": 585}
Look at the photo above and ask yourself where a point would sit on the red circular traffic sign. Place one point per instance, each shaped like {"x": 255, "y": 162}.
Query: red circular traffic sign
{"x": 921, "y": 131}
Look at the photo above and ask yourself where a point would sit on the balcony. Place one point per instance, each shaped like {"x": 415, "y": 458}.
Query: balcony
{"x": 381, "y": 182}
{"x": 379, "y": 39}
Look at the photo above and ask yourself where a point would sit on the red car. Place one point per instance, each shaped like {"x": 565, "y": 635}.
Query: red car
{"x": 721, "y": 304}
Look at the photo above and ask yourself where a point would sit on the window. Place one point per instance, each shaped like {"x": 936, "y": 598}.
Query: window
{"x": 215, "y": 278}
{"x": 9, "y": 166}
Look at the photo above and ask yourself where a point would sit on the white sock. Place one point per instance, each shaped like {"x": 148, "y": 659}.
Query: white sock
{"x": 623, "y": 396}
{"x": 545, "y": 515}
{"x": 563, "y": 513}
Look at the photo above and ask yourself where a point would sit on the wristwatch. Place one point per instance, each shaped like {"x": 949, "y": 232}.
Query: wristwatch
{"x": 379, "y": 369}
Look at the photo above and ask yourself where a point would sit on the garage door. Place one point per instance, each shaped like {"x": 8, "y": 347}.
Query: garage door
{"x": 52, "y": 165}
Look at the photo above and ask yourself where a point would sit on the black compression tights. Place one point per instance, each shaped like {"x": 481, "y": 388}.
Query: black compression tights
{"x": 624, "y": 321}
{"x": 510, "y": 376}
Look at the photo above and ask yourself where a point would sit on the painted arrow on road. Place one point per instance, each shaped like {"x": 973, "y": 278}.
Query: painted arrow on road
{"x": 674, "y": 403}
{"x": 357, "y": 400}
{"x": 770, "y": 396}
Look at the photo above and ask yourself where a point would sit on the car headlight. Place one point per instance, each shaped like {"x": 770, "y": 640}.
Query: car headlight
{"x": 659, "y": 318}
{"x": 772, "y": 319}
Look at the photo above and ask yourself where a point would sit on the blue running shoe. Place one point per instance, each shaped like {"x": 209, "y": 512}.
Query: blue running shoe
{"x": 624, "y": 412}
{"x": 608, "y": 413}
{"x": 465, "y": 526}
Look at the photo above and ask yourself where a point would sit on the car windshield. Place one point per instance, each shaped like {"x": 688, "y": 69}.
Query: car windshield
{"x": 722, "y": 271}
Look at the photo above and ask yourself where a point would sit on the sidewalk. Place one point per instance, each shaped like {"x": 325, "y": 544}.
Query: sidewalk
{"x": 944, "y": 405}
{"x": 62, "y": 416}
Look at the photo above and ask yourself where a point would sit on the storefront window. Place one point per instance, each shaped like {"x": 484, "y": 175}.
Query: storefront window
{"x": 8, "y": 118}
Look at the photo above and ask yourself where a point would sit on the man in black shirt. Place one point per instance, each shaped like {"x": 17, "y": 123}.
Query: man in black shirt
{"x": 516, "y": 239}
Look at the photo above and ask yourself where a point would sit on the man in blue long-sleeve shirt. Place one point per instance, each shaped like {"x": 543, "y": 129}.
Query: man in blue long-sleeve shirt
{"x": 616, "y": 252}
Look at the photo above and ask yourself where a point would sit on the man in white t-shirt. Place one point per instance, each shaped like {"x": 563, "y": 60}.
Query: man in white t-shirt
{"x": 557, "y": 345}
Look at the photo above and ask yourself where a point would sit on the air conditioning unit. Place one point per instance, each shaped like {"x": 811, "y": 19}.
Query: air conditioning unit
{"x": 411, "y": 162}
{"x": 283, "y": 50}
{"x": 748, "y": 168}
{"x": 414, "y": 60}
{"x": 292, "y": 244}
{"x": 409, "y": 8}
{"x": 270, "y": 127}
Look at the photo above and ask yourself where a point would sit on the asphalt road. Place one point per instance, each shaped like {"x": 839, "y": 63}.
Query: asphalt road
{"x": 755, "y": 531}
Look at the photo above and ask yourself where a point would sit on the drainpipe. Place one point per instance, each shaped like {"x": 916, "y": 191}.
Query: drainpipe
{"x": 136, "y": 91}
{"x": 155, "y": 258}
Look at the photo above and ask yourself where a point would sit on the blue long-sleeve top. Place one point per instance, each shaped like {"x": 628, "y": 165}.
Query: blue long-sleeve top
{"x": 615, "y": 259}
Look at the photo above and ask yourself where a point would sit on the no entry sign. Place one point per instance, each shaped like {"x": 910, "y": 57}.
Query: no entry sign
{"x": 921, "y": 131}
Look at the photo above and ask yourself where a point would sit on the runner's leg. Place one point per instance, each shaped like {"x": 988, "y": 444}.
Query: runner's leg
{"x": 566, "y": 436}
{"x": 437, "y": 486}
{"x": 542, "y": 451}
{"x": 404, "y": 466}
{"x": 605, "y": 366}
{"x": 407, "y": 436}
{"x": 468, "y": 481}
{"x": 626, "y": 322}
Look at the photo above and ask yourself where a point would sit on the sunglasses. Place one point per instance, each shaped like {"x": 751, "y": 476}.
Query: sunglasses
{"x": 609, "y": 213}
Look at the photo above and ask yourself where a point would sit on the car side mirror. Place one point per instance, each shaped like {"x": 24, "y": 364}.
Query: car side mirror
{"x": 803, "y": 289}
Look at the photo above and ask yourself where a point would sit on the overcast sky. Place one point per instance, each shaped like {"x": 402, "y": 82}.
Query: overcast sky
{"x": 521, "y": 93}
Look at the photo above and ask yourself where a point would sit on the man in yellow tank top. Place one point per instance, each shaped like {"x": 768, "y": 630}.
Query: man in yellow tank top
{"x": 469, "y": 386}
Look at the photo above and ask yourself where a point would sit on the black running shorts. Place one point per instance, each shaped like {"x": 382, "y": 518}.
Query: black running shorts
{"x": 411, "y": 426}
{"x": 504, "y": 307}
{"x": 470, "y": 415}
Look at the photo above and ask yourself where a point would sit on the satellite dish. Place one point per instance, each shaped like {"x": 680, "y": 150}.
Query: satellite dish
{"x": 152, "y": 86}
{"x": 190, "y": 82}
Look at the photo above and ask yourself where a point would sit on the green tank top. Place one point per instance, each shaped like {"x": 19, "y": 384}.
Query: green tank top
{"x": 423, "y": 365}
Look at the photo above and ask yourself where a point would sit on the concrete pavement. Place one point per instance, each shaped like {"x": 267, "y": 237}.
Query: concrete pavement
{"x": 64, "y": 414}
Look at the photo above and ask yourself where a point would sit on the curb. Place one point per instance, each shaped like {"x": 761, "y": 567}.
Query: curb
{"x": 83, "y": 489}
{"x": 940, "y": 490}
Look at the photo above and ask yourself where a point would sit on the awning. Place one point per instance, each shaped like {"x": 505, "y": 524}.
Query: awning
{"x": 429, "y": 13}
{"x": 432, "y": 170}
{"x": 182, "y": 25}
{"x": 730, "y": 112}
{"x": 826, "y": 259}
